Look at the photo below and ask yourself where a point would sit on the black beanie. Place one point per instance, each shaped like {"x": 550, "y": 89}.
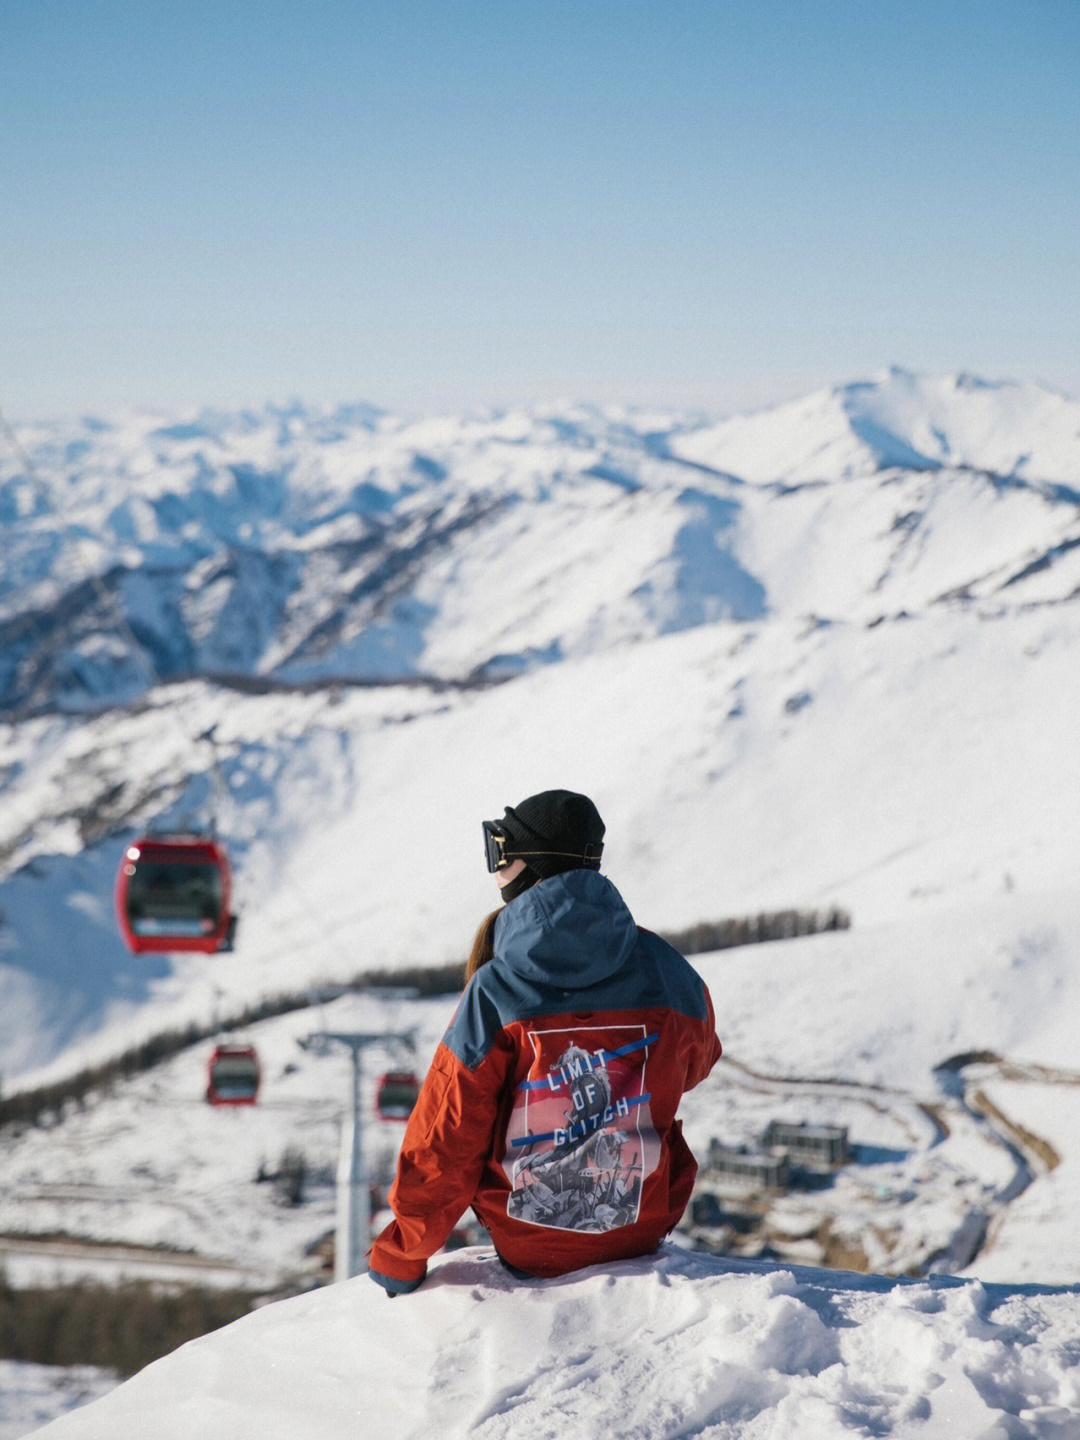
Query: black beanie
{"x": 554, "y": 831}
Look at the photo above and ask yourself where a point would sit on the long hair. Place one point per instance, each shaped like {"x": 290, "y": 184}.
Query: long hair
{"x": 483, "y": 945}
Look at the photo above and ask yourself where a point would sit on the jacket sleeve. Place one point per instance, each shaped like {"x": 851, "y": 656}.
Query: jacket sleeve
{"x": 447, "y": 1142}
{"x": 706, "y": 1054}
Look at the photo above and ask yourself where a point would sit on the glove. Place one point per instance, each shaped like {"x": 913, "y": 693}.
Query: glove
{"x": 394, "y": 1287}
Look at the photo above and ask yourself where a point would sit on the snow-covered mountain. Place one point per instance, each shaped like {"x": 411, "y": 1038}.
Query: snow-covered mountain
{"x": 1014, "y": 431}
{"x": 299, "y": 546}
{"x": 818, "y": 655}
{"x": 821, "y": 655}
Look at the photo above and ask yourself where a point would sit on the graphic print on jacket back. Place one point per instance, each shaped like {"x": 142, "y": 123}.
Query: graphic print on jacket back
{"x": 579, "y": 1141}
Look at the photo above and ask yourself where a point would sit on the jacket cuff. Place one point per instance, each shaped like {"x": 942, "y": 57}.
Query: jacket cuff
{"x": 385, "y": 1260}
{"x": 394, "y": 1287}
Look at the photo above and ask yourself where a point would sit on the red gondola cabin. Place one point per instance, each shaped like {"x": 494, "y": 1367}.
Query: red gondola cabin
{"x": 233, "y": 1075}
{"x": 397, "y": 1094}
{"x": 173, "y": 893}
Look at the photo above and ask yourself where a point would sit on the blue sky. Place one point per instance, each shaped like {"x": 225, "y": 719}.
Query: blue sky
{"x": 436, "y": 205}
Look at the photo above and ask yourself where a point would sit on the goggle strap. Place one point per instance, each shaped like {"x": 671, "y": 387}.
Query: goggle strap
{"x": 590, "y": 854}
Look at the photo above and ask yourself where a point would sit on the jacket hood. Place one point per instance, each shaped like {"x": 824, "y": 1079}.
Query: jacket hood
{"x": 571, "y": 931}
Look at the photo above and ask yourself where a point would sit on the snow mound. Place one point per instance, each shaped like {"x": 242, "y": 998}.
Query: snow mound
{"x": 680, "y": 1345}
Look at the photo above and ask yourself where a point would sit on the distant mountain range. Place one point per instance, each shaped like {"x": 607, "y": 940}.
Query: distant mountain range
{"x": 293, "y": 546}
{"x": 825, "y": 654}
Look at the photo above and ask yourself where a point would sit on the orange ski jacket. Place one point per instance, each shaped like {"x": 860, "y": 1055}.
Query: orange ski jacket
{"x": 550, "y": 1105}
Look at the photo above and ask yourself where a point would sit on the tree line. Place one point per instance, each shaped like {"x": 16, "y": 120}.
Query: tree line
{"x": 44, "y": 1102}
{"x": 711, "y": 935}
{"x": 116, "y": 1327}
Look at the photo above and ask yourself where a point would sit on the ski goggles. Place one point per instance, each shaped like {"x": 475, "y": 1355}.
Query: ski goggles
{"x": 495, "y": 839}
{"x": 500, "y": 849}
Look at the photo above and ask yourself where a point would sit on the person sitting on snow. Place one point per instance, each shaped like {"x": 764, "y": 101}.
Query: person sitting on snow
{"x": 550, "y": 1105}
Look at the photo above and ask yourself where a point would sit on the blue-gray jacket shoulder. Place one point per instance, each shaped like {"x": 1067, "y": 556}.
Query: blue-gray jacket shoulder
{"x": 654, "y": 975}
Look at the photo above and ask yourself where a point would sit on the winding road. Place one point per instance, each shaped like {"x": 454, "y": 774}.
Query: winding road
{"x": 963, "y": 1099}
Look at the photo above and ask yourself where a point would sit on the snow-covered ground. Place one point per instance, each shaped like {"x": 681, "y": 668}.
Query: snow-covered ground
{"x": 653, "y": 1349}
{"x": 915, "y": 777}
{"x": 719, "y": 1346}
{"x": 821, "y": 658}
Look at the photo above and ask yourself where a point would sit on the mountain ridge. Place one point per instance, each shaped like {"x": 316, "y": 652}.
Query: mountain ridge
{"x": 296, "y": 545}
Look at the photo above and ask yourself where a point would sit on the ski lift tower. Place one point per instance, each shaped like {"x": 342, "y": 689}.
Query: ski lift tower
{"x": 353, "y": 1226}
